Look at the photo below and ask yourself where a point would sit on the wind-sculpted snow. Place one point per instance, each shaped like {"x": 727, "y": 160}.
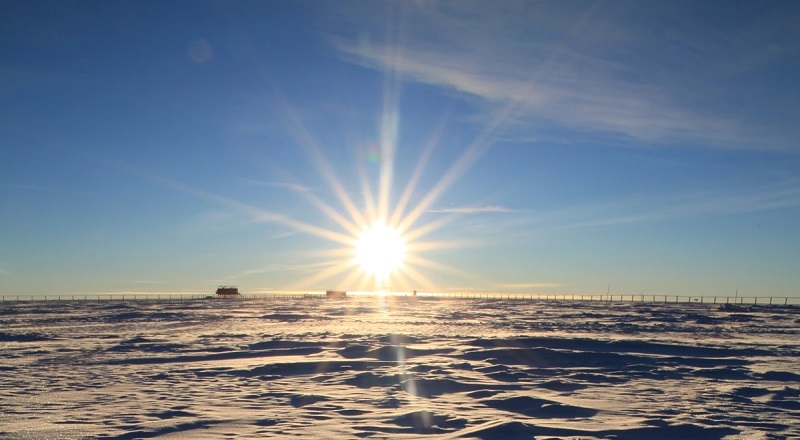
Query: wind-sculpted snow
{"x": 387, "y": 367}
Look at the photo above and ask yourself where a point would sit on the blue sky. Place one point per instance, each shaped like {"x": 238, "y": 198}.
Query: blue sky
{"x": 544, "y": 147}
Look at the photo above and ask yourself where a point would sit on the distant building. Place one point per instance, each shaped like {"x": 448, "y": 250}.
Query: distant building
{"x": 335, "y": 294}
{"x": 228, "y": 291}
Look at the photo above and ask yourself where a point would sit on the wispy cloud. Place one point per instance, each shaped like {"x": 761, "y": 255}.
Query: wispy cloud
{"x": 623, "y": 69}
{"x": 285, "y": 185}
{"x": 36, "y": 188}
{"x": 529, "y": 285}
{"x": 696, "y": 205}
{"x": 279, "y": 267}
{"x": 473, "y": 210}
{"x": 637, "y": 210}
{"x": 661, "y": 208}
{"x": 280, "y": 235}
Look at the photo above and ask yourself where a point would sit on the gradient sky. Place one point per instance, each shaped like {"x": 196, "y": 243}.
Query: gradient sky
{"x": 545, "y": 147}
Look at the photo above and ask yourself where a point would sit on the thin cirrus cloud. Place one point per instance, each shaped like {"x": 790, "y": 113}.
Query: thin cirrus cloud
{"x": 650, "y": 209}
{"x": 651, "y": 75}
{"x": 275, "y": 184}
{"x": 529, "y": 285}
{"x": 665, "y": 208}
{"x": 278, "y": 268}
{"x": 473, "y": 210}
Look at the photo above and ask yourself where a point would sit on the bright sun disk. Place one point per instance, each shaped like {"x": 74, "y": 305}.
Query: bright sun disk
{"x": 380, "y": 250}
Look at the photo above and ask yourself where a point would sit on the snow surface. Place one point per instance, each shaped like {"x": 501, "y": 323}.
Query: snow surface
{"x": 397, "y": 368}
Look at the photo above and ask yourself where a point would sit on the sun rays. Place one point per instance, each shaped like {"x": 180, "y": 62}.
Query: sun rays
{"x": 383, "y": 240}
{"x": 378, "y": 230}
{"x": 385, "y": 237}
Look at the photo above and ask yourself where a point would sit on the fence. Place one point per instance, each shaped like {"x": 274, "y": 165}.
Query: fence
{"x": 685, "y": 299}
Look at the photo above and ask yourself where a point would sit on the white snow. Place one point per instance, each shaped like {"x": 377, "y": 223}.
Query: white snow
{"x": 382, "y": 368}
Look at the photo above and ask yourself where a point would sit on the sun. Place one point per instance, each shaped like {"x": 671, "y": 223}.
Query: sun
{"x": 380, "y": 250}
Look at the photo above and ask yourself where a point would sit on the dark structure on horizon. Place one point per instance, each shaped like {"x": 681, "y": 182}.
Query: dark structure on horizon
{"x": 335, "y": 294}
{"x": 228, "y": 291}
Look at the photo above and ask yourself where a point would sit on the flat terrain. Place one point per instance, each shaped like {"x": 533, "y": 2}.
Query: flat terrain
{"x": 384, "y": 368}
